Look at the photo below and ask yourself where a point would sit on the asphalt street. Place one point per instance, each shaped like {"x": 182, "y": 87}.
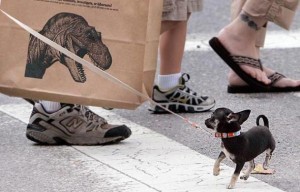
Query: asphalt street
{"x": 208, "y": 77}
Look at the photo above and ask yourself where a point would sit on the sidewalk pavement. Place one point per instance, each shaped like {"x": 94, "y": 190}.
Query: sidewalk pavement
{"x": 147, "y": 161}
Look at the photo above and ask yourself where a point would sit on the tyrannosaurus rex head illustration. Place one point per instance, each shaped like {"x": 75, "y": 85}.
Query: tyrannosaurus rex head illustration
{"x": 74, "y": 33}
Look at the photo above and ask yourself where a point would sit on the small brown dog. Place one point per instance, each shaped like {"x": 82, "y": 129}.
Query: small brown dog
{"x": 240, "y": 147}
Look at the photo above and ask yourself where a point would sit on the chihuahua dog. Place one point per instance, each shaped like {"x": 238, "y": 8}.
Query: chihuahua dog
{"x": 240, "y": 147}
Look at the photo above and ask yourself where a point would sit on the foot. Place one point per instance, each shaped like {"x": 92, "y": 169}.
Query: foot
{"x": 74, "y": 125}
{"x": 235, "y": 80}
{"x": 181, "y": 99}
{"x": 244, "y": 177}
{"x": 240, "y": 45}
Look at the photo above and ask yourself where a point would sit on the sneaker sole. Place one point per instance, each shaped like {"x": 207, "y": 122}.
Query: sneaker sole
{"x": 43, "y": 136}
{"x": 180, "y": 108}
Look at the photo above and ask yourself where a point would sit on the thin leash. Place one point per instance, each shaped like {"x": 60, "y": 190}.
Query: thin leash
{"x": 96, "y": 70}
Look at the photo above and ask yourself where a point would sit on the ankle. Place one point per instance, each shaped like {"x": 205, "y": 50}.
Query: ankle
{"x": 238, "y": 32}
{"x": 166, "y": 82}
{"x": 50, "y": 106}
{"x": 237, "y": 43}
{"x": 253, "y": 22}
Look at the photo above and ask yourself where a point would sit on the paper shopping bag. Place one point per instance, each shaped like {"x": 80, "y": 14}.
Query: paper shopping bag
{"x": 119, "y": 37}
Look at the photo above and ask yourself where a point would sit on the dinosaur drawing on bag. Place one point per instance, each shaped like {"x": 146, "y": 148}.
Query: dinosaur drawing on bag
{"x": 72, "y": 32}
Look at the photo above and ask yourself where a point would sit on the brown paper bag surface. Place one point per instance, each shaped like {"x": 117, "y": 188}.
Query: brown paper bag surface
{"x": 120, "y": 37}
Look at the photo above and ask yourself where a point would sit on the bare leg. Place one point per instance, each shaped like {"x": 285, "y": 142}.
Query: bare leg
{"x": 172, "y": 43}
{"x": 233, "y": 78}
{"x": 239, "y": 38}
{"x": 171, "y": 83}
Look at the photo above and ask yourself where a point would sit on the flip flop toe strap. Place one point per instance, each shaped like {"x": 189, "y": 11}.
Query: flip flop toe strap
{"x": 275, "y": 77}
{"x": 241, "y": 60}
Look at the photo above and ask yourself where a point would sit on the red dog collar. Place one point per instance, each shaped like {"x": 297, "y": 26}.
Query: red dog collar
{"x": 227, "y": 135}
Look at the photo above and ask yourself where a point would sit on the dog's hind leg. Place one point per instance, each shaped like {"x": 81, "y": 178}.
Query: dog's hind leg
{"x": 250, "y": 167}
{"x": 216, "y": 171}
{"x": 267, "y": 158}
{"x": 269, "y": 152}
{"x": 235, "y": 176}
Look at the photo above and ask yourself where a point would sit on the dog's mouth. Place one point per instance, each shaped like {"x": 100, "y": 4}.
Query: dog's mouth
{"x": 81, "y": 75}
{"x": 209, "y": 124}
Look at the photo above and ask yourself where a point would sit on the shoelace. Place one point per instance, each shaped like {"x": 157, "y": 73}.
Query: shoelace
{"x": 90, "y": 115}
{"x": 184, "y": 79}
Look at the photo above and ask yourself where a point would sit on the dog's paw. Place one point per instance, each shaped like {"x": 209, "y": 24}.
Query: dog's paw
{"x": 230, "y": 186}
{"x": 216, "y": 171}
{"x": 265, "y": 165}
{"x": 244, "y": 177}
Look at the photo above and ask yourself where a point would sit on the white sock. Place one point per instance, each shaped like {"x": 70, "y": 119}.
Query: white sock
{"x": 166, "y": 82}
{"x": 51, "y": 106}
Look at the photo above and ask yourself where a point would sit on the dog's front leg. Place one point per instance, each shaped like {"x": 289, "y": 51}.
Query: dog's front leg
{"x": 217, "y": 163}
{"x": 235, "y": 176}
{"x": 251, "y": 166}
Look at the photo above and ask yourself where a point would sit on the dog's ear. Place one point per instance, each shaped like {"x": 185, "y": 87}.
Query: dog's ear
{"x": 239, "y": 117}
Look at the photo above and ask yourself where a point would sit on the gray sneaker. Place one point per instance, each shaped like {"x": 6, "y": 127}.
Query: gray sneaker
{"x": 180, "y": 99}
{"x": 74, "y": 125}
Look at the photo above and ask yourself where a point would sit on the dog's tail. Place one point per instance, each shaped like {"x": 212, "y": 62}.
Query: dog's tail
{"x": 265, "y": 119}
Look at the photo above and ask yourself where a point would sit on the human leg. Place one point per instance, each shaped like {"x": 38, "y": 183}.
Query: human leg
{"x": 233, "y": 78}
{"x": 171, "y": 90}
{"x": 240, "y": 39}
{"x": 171, "y": 47}
{"x": 172, "y": 39}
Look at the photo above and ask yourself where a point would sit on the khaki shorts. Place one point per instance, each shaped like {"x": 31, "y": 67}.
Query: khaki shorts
{"x": 178, "y": 10}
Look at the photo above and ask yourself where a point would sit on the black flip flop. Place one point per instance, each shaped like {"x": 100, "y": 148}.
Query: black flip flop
{"x": 250, "y": 89}
{"x": 234, "y": 63}
{"x": 254, "y": 86}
